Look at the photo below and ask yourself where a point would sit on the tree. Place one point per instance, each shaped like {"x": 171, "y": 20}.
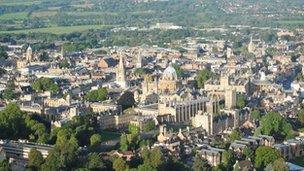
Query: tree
{"x": 124, "y": 144}
{"x": 275, "y": 125}
{"x": 119, "y": 164}
{"x": 265, "y": 155}
{"x": 228, "y": 159}
{"x": 52, "y": 161}
{"x": 149, "y": 126}
{"x": 133, "y": 129}
{"x": 44, "y": 57}
{"x": 248, "y": 153}
{"x": 5, "y": 166}
{"x": 2, "y": 71}
{"x": 95, "y": 162}
{"x": 35, "y": 159}
{"x": 200, "y": 164}
{"x": 95, "y": 140}
{"x": 64, "y": 64}
{"x": 240, "y": 101}
{"x": 203, "y": 76}
{"x": 97, "y": 95}
{"x": 279, "y": 165}
{"x": 179, "y": 70}
{"x": 235, "y": 135}
{"x": 126, "y": 100}
{"x": 8, "y": 94}
{"x": 3, "y": 53}
{"x": 12, "y": 125}
{"x": 301, "y": 116}
{"x": 45, "y": 84}
{"x": 145, "y": 167}
{"x": 153, "y": 157}
{"x": 256, "y": 114}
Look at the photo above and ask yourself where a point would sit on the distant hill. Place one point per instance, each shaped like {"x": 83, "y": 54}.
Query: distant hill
{"x": 33, "y": 14}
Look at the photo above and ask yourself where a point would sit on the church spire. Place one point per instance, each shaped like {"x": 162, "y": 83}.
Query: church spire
{"x": 121, "y": 73}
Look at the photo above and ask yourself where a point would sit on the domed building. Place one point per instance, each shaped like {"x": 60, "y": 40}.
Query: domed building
{"x": 169, "y": 83}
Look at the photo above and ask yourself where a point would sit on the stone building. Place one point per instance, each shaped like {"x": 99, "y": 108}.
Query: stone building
{"x": 214, "y": 156}
{"x": 169, "y": 83}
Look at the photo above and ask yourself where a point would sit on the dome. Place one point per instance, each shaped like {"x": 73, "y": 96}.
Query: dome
{"x": 170, "y": 73}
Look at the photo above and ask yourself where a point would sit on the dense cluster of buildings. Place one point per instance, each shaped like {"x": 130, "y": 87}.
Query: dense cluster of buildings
{"x": 163, "y": 82}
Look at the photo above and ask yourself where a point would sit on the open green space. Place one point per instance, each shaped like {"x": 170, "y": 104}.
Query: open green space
{"x": 18, "y": 2}
{"x": 291, "y": 21}
{"x": 299, "y": 161}
{"x": 108, "y": 136}
{"x": 58, "y": 30}
{"x": 14, "y": 16}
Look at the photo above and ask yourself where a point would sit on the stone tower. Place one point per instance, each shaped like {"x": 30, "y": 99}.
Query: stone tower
{"x": 139, "y": 63}
{"x": 224, "y": 80}
{"x": 29, "y": 54}
{"x": 121, "y": 74}
{"x": 230, "y": 98}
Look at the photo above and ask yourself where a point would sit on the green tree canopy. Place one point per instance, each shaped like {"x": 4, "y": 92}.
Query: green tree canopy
{"x": 301, "y": 116}
{"x": 235, "y": 135}
{"x": 3, "y": 53}
{"x": 153, "y": 157}
{"x": 256, "y": 114}
{"x": 149, "y": 126}
{"x": 45, "y": 84}
{"x": 97, "y": 95}
{"x": 179, "y": 71}
{"x": 5, "y": 166}
{"x": 240, "y": 101}
{"x": 279, "y": 165}
{"x": 265, "y": 155}
{"x": 275, "y": 125}
{"x": 120, "y": 164}
{"x": 200, "y": 164}
{"x": 44, "y": 57}
{"x": 126, "y": 100}
{"x": 124, "y": 144}
{"x": 203, "y": 76}
{"x": 95, "y": 162}
{"x": 95, "y": 139}
{"x": 228, "y": 159}
{"x": 35, "y": 159}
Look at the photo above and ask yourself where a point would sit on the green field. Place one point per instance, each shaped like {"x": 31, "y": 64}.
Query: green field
{"x": 47, "y": 13}
{"x": 87, "y": 13}
{"x": 18, "y": 2}
{"x": 58, "y": 30}
{"x": 14, "y": 16}
{"x": 291, "y": 22}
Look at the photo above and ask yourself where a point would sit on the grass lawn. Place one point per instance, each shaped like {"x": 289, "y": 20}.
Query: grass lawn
{"x": 299, "y": 161}
{"x": 14, "y": 16}
{"x": 58, "y": 30}
{"x": 108, "y": 136}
